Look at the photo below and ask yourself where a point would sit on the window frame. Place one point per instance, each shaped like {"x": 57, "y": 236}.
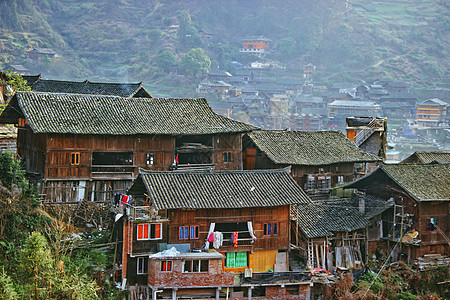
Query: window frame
{"x": 271, "y": 229}
{"x": 144, "y": 262}
{"x": 167, "y": 262}
{"x": 432, "y": 226}
{"x": 149, "y": 231}
{"x": 74, "y": 158}
{"x": 182, "y": 233}
{"x": 227, "y": 157}
{"x": 196, "y": 232}
{"x": 198, "y": 262}
{"x": 150, "y": 159}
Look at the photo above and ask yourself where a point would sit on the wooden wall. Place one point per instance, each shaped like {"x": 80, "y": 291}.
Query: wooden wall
{"x": 258, "y": 216}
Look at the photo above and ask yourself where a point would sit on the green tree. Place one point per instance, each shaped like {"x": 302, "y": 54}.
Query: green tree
{"x": 165, "y": 60}
{"x": 36, "y": 264}
{"x": 287, "y": 47}
{"x": 10, "y": 171}
{"x": 14, "y": 80}
{"x": 196, "y": 61}
{"x": 7, "y": 291}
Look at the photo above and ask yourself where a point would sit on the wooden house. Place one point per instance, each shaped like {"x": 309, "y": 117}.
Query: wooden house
{"x": 256, "y": 45}
{"x": 243, "y": 216}
{"x": 368, "y": 133}
{"x": 428, "y": 157}
{"x": 39, "y": 54}
{"x": 320, "y": 160}
{"x": 420, "y": 221}
{"x": 38, "y": 84}
{"x": 336, "y": 233}
{"x": 89, "y": 147}
{"x": 432, "y": 113}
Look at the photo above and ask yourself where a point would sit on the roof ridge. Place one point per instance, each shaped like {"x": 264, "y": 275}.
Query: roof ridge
{"x": 211, "y": 171}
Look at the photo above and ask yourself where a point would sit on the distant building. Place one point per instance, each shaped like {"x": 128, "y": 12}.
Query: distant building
{"x": 38, "y": 54}
{"x": 428, "y": 157}
{"x": 432, "y": 113}
{"x": 256, "y": 45}
{"x": 19, "y": 69}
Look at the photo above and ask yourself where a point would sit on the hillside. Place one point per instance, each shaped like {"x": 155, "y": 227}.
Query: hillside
{"x": 119, "y": 40}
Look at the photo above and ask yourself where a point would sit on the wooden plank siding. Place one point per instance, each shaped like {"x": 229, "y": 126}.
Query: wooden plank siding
{"x": 258, "y": 216}
{"x": 48, "y": 156}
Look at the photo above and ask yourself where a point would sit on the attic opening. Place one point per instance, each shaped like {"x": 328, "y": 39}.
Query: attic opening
{"x": 112, "y": 158}
{"x": 194, "y": 149}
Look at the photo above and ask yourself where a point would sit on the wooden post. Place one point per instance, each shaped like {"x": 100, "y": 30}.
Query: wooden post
{"x": 317, "y": 256}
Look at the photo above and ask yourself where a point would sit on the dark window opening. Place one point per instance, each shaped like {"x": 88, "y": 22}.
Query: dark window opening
{"x": 227, "y": 157}
{"x": 112, "y": 158}
{"x": 196, "y": 266}
{"x": 259, "y": 291}
{"x": 142, "y": 265}
{"x": 432, "y": 224}
{"x": 228, "y": 228}
{"x": 194, "y": 150}
{"x": 75, "y": 158}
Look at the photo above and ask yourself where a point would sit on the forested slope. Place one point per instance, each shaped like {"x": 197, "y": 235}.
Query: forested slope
{"x": 122, "y": 40}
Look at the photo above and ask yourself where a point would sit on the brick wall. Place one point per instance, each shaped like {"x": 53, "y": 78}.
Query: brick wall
{"x": 176, "y": 278}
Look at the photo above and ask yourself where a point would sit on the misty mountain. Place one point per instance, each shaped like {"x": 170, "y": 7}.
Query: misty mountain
{"x": 123, "y": 40}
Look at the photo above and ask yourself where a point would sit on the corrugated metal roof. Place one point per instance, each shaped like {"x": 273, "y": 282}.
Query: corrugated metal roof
{"x": 309, "y": 147}
{"x": 221, "y": 189}
{"x": 91, "y": 114}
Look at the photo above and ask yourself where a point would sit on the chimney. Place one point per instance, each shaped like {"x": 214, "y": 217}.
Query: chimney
{"x": 361, "y": 203}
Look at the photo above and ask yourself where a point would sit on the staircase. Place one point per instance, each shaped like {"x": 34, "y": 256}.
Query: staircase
{"x": 294, "y": 264}
{"x": 364, "y": 134}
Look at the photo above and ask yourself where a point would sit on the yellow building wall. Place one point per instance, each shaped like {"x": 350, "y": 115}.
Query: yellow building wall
{"x": 263, "y": 261}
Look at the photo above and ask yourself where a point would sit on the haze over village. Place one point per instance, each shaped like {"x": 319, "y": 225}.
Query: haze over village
{"x": 224, "y": 149}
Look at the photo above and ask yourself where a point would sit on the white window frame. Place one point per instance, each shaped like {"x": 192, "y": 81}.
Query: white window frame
{"x": 141, "y": 261}
{"x": 149, "y": 232}
{"x": 191, "y": 261}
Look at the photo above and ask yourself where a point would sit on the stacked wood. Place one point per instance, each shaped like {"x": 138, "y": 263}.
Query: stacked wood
{"x": 431, "y": 261}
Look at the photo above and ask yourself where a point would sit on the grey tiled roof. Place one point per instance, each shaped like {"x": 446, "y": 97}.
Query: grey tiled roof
{"x": 91, "y": 114}
{"x": 427, "y": 157}
{"x": 31, "y": 79}
{"x": 220, "y": 189}
{"x": 422, "y": 182}
{"x": 309, "y": 147}
{"x": 320, "y": 219}
{"x": 89, "y": 88}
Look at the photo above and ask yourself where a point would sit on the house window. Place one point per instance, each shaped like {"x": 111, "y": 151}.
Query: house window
{"x": 311, "y": 184}
{"x": 270, "y": 229}
{"x": 196, "y": 266}
{"x": 166, "y": 266}
{"x": 194, "y": 232}
{"x": 142, "y": 265}
{"x": 227, "y": 157}
{"x": 184, "y": 230}
{"x": 150, "y": 158}
{"x": 236, "y": 259}
{"x": 75, "y": 158}
{"x": 432, "y": 224}
{"x": 188, "y": 232}
{"x": 340, "y": 180}
{"x": 149, "y": 231}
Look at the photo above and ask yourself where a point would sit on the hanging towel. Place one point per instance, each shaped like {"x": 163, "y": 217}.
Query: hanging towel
{"x": 250, "y": 230}
{"x": 235, "y": 239}
{"x": 218, "y": 240}
{"x": 211, "y": 230}
{"x": 211, "y": 237}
